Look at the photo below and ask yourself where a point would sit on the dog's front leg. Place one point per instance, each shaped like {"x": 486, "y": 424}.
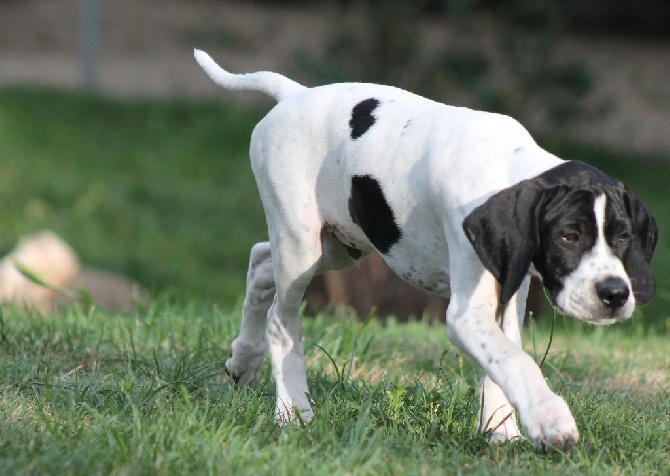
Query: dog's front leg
{"x": 497, "y": 416}
{"x": 472, "y": 327}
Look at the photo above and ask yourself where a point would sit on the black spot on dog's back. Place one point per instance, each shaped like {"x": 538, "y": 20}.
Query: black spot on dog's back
{"x": 362, "y": 118}
{"x": 369, "y": 210}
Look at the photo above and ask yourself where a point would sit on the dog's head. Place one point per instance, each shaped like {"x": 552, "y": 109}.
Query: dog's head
{"x": 588, "y": 237}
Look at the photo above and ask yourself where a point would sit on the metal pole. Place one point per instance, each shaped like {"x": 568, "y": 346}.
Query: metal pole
{"x": 89, "y": 36}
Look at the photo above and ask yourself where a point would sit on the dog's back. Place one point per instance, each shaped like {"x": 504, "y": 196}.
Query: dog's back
{"x": 356, "y": 128}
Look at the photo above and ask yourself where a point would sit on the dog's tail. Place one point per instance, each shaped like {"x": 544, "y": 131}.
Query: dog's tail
{"x": 272, "y": 84}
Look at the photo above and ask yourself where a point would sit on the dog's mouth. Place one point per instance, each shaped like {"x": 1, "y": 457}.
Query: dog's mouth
{"x": 602, "y": 316}
{"x": 588, "y": 308}
{"x": 586, "y": 311}
{"x": 601, "y": 322}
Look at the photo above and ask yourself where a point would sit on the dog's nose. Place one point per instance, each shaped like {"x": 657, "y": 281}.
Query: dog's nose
{"x": 613, "y": 292}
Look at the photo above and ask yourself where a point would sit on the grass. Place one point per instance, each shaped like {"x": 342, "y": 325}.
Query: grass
{"x": 91, "y": 393}
{"x": 162, "y": 192}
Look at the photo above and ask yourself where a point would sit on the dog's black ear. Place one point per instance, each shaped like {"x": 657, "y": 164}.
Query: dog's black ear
{"x": 504, "y": 231}
{"x": 638, "y": 257}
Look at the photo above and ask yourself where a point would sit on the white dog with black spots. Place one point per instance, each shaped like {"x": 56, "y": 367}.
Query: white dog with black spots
{"x": 458, "y": 202}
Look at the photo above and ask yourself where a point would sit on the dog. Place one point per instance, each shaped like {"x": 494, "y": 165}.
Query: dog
{"x": 458, "y": 202}
{"x": 57, "y": 278}
{"x": 47, "y": 256}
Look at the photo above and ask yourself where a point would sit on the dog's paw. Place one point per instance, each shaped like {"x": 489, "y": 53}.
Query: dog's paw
{"x": 550, "y": 424}
{"x": 299, "y": 413}
{"x": 244, "y": 363}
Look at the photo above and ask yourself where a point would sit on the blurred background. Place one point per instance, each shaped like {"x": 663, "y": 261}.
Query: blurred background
{"x": 112, "y": 136}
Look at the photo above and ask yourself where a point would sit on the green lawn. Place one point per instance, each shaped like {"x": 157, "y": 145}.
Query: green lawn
{"x": 91, "y": 393}
{"x": 163, "y": 192}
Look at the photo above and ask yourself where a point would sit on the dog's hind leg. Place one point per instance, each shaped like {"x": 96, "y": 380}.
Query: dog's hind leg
{"x": 497, "y": 416}
{"x": 249, "y": 347}
{"x": 296, "y": 255}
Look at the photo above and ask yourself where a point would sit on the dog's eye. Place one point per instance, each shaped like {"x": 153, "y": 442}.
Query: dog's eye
{"x": 625, "y": 237}
{"x": 570, "y": 237}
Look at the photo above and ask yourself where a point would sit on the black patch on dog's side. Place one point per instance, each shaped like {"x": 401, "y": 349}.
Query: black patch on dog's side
{"x": 369, "y": 210}
{"x": 362, "y": 118}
